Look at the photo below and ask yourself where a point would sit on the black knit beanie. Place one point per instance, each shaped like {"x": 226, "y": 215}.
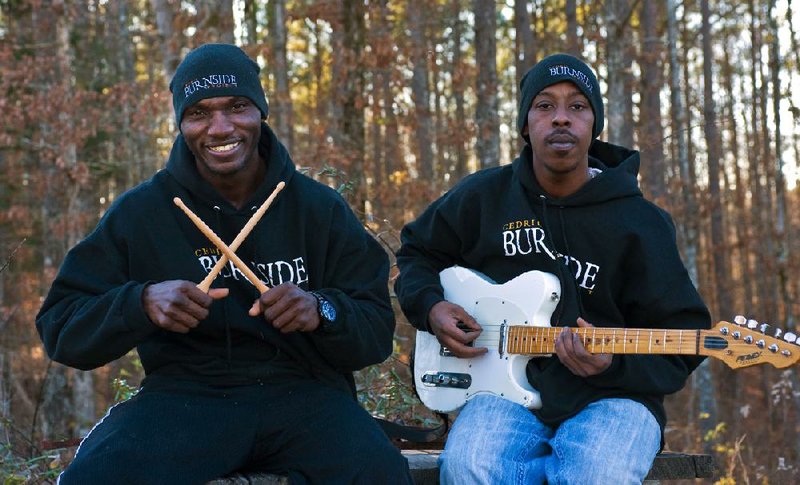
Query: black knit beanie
{"x": 214, "y": 70}
{"x": 554, "y": 69}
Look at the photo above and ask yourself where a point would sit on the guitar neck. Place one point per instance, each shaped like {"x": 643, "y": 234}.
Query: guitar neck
{"x": 542, "y": 340}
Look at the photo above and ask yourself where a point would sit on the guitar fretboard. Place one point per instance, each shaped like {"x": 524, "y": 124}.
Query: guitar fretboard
{"x": 542, "y": 340}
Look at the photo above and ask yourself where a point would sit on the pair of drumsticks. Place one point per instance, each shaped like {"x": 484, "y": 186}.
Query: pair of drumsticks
{"x": 228, "y": 251}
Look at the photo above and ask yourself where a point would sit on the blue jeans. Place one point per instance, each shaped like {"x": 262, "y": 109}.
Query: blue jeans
{"x": 495, "y": 441}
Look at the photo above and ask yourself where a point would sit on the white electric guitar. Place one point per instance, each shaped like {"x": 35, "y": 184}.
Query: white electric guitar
{"x": 515, "y": 317}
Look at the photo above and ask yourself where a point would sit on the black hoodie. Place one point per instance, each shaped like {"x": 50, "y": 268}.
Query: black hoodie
{"x": 614, "y": 253}
{"x": 93, "y": 313}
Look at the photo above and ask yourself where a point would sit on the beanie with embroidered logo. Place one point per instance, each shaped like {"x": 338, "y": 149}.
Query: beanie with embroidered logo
{"x": 214, "y": 70}
{"x": 554, "y": 69}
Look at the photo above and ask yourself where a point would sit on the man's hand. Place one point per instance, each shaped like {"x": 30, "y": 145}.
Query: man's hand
{"x": 574, "y": 355}
{"x": 445, "y": 318}
{"x": 288, "y": 308}
{"x": 178, "y": 306}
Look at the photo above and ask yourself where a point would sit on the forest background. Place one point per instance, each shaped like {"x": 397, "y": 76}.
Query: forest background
{"x": 392, "y": 101}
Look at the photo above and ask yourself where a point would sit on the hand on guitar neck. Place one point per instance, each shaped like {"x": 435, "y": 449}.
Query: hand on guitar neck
{"x": 575, "y": 357}
{"x": 455, "y": 329}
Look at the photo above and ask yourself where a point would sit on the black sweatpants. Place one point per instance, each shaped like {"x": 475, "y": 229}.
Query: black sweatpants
{"x": 182, "y": 433}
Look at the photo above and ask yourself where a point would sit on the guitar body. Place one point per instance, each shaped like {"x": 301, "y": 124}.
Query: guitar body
{"x": 445, "y": 382}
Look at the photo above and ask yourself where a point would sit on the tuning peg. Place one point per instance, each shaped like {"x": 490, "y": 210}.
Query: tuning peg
{"x": 790, "y": 337}
{"x": 763, "y": 328}
{"x": 778, "y": 333}
{"x": 740, "y": 320}
{"x": 752, "y": 324}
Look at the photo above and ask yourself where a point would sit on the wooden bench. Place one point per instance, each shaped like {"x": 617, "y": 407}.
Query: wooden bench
{"x": 425, "y": 470}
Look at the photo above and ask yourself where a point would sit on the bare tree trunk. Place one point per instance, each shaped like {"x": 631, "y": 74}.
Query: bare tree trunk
{"x": 459, "y": 85}
{"x": 702, "y": 380}
{"x": 652, "y": 133}
{"x": 573, "y": 42}
{"x": 727, "y": 387}
{"x": 524, "y": 42}
{"x": 171, "y": 41}
{"x": 420, "y": 91}
{"x": 281, "y": 109}
{"x": 742, "y": 238}
{"x": 214, "y": 21}
{"x": 251, "y": 21}
{"x": 619, "y": 112}
{"x": 781, "y": 216}
{"x": 487, "y": 104}
{"x": 348, "y": 81}
{"x": 718, "y": 244}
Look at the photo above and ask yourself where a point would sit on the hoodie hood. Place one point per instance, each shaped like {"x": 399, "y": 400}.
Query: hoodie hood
{"x": 619, "y": 165}
{"x": 182, "y": 166}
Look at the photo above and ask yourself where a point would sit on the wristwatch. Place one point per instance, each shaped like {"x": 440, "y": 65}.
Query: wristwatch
{"x": 327, "y": 313}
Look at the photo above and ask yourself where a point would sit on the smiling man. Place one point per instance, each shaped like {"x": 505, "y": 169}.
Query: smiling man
{"x": 235, "y": 380}
{"x": 569, "y": 205}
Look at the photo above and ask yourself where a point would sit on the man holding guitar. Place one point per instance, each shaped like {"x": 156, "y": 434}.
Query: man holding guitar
{"x": 570, "y": 208}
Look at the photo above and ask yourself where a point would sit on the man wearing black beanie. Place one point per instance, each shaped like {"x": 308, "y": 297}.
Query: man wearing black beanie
{"x": 568, "y": 206}
{"x": 236, "y": 379}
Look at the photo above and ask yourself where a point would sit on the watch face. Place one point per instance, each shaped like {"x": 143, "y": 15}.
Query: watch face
{"x": 327, "y": 311}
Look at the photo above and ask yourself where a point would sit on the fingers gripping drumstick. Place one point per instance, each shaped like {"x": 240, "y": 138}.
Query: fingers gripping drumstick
{"x": 251, "y": 277}
{"x": 206, "y": 283}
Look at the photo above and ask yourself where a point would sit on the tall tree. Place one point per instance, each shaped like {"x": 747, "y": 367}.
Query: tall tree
{"x": 349, "y": 28}
{"x": 487, "y": 104}
{"x": 573, "y": 41}
{"x": 651, "y": 133}
{"x": 282, "y": 111}
{"x": 726, "y": 387}
{"x": 171, "y": 40}
{"x": 702, "y": 381}
{"x": 782, "y": 243}
{"x": 619, "y": 114}
{"x": 419, "y": 89}
{"x": 214, "y": 21}
{"x": 524, "y": 42}
{"x": 457, "y": 74}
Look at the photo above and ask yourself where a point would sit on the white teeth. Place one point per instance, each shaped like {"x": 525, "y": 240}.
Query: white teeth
{"x": 224, "y": 148}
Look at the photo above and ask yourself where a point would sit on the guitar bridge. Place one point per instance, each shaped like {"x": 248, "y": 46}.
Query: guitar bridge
{"x": 447, "y": 379}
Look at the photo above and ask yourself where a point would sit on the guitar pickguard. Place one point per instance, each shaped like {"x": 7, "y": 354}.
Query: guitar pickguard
{"x": 444, "y": 382}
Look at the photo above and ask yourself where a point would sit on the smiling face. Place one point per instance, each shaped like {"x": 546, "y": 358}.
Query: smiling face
{"x": 560, "y": 123}
{"x": 223, "y": 135}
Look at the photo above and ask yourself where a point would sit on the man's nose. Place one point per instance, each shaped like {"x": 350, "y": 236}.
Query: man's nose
{"x": 561, "y": 116}
{"x": 220, "y": 125}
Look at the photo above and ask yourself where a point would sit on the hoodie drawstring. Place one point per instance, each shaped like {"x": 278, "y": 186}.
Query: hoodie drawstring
{"x": 565, "y": 279}
{"x": 581, "y": 312}
{"x": 228, "y": 343}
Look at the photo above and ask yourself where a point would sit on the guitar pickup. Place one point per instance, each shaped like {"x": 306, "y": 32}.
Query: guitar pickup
{"x": 447, "y": 379}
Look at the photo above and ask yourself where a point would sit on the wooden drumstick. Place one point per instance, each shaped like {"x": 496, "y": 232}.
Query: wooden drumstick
{"x": 223, "y": 260}
{"x": 251, "y": 277}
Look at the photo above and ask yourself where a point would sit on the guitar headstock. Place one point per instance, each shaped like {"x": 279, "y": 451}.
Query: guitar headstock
{"x": 747, "y": 342}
